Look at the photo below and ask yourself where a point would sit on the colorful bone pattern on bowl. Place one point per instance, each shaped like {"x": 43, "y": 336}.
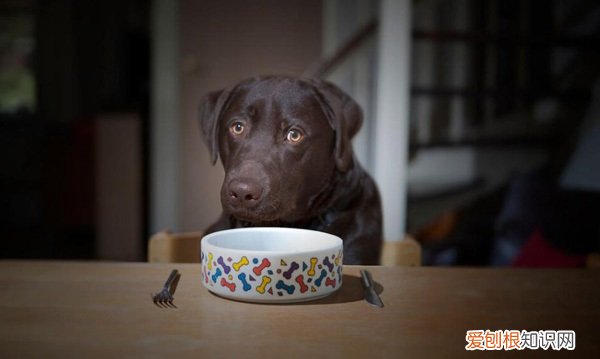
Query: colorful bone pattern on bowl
{"x": 262, "y": 276}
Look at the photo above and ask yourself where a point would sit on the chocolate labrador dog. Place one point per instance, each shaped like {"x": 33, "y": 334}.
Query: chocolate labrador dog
{"x": 285, "y": 145}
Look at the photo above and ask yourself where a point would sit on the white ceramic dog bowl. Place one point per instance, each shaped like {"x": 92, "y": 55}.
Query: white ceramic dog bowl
{"x": 271, "y": 264}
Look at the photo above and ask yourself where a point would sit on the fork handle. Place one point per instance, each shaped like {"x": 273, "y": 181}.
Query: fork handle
{"x": 171, "y": 278}
{"x": 173, "y": 285}
{"x": 366, "y": 278}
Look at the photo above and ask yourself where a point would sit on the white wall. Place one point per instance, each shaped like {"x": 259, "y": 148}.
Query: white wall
{"x": 164, "y": 119}
{"x": 392, "y": 109}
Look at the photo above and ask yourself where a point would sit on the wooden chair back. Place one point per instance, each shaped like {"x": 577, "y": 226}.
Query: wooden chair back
{"x": 167, "y": 247}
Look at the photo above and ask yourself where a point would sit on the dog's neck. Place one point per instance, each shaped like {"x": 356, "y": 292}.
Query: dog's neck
{"x": 345, "y": 191}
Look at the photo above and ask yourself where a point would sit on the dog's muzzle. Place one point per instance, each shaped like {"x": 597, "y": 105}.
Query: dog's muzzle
{"x": 244, "y": 193}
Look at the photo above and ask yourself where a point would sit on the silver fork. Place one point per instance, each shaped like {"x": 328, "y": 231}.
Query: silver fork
{"x": 164, "y": 298}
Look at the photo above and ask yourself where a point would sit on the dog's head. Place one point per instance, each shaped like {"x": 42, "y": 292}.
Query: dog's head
{"x": 281, "y": 140}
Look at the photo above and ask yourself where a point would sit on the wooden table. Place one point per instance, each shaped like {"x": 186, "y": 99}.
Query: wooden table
{"x": 96, "y": 309}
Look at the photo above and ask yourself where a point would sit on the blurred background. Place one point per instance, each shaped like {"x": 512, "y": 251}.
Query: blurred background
{"x": 482, "y": 118}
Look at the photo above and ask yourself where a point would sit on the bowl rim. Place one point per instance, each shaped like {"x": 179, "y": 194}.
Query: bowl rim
{"x": 206, "y": 245}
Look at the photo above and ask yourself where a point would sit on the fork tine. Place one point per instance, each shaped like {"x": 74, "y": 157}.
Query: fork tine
{"x": 169, "y": 304}
{"x": 166, "y": 304}
{"x": 164, "y": 298}
{"x": 155, "y": 299}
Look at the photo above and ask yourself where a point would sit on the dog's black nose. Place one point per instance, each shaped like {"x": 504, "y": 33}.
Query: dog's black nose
{"x": 245, "y": 192}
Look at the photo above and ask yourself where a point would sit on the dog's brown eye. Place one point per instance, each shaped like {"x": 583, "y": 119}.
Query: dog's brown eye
{"x": 237, "y": 128}
{"x": 294, "y": 136}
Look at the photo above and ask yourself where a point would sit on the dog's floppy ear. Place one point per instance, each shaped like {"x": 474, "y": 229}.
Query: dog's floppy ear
{"x": 211, "y": 107}
{"x": 345, "y": 116}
